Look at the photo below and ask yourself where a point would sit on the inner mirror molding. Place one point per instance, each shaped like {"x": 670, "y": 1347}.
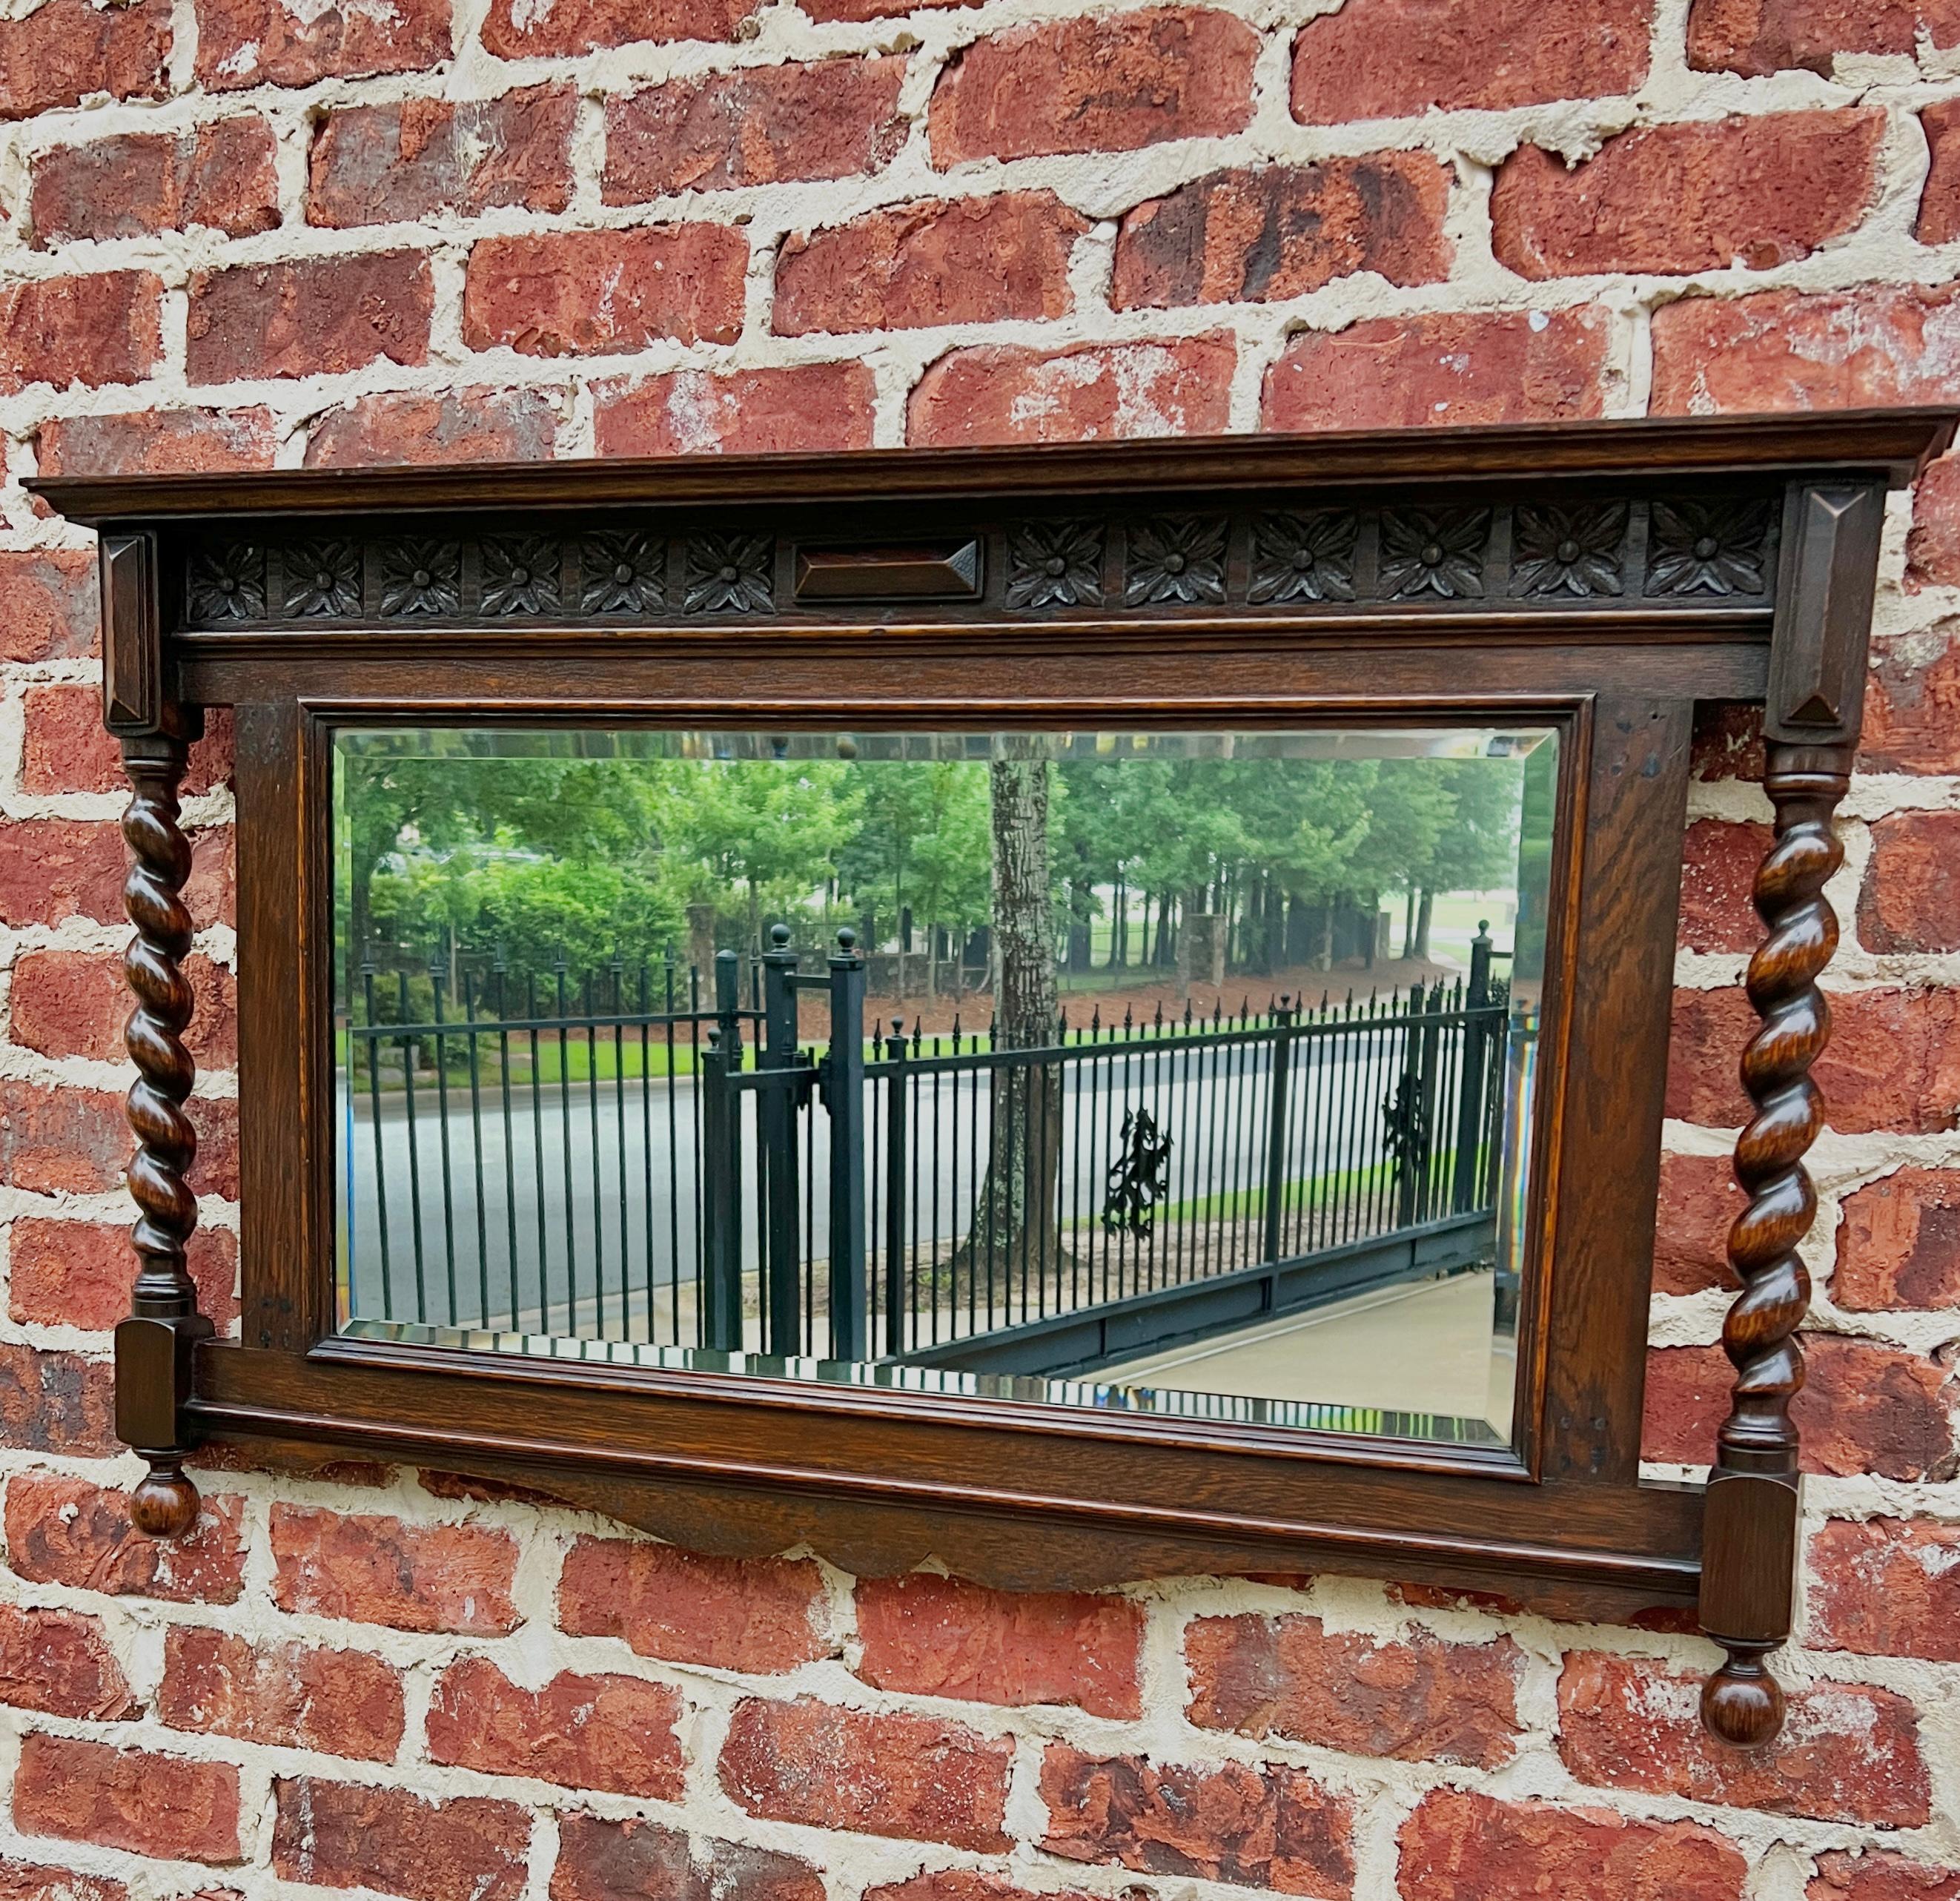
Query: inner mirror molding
{"x": 1086, "y": 1012}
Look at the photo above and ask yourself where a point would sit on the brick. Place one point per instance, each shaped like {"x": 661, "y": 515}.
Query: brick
{"x": 1879, "y": 344}
{"x": 1909, "y": 901}
{"x": 257, "y": 42}
{"x": 342, "y": 1835}
{"x": 216, "y": 1171}
{"x": 962, "y": 1884}
{"x": 343, "y": 1702}
{"x": 77, "y": 1273}
{"x": 598, "y": 293}
{"x": 59, "y": 1662}
{"x": 1283, "y": 231}
{"x": 599, "y": 1860}
{"x": 1398, "y": 373}
{"x": 1114, "y": 83}
{"x": 869, "y": 9}
{"x": 1458, "y": 1846}
{"x": 220, "y": 175}
{"x": 1103, "y": 392}
{"x": 73, "y": 1003}
{"x": 63, "y": 1530}
{"x": 54, "y": 868}
{"x": 893, "y": 1774}
{"x": 31, "y": 1881}
{"x": 47, "y": 605}
{"x": 63, "y": 748}
{"x": 1759, "y": 37}
{"x": 692, "y": 1608}
{"x": 1872, "y": 1877}
{"x": 64, "y": 51}
{"x": 1389, "y": 58}
{"x": 1912, "y": 706}
{"x": 55, "y": 1402}
{"x": 1701, "y": 197}
{"x": 1422, "y": 1699}
{"x": 612, "y": 1733}
{"x": 1698, "y": 1205}
{"x": 1864, "y": 1408}
{"x": 519, "y": 30}
{"x": 812, "y": 406}
{"x": 61, "y": 1141}
{"x": 1277, "y": 1828}
{"x": 1933, "y": 543}
{"x": 974, "y": 260}
{"x": 1719, "y": 861}
{"x": 1847, "y": 1752}
{"x": 1898, "y": 1243}
{"x": 376, "y": 1570}
{"x": 1893, "y": 1061}
{"x": 310, "y": 317}
{"x": 150, "y": 1804}
{"x": 759, "y": 125}
{"x": 91, "y": 331}
{"x": 454, "y": 425}
{"x": 156, "y": 442}
{"x": 1726, "y": 742}
{"x": 941, "y": 1637}
{"x": 414, "y": 158}
{"x": 1939, "y": 197}
{"x": 1886, "y": 1588}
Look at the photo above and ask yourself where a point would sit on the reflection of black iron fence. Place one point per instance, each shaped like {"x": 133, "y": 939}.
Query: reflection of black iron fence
{"x": 942, "y": 1199}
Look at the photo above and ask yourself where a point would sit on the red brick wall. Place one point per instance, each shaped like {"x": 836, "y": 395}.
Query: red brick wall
{"x": 246, "y": 232}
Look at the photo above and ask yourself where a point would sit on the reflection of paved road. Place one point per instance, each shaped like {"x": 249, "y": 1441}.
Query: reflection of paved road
{"x": 590, "y": 1196}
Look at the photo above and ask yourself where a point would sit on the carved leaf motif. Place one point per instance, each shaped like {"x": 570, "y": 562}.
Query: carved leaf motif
{"x": 1308, "y": 557}
{"x": 1176, "y": 559}
{"x": 1574, "y": 550}
{"x": 1708, "y": 547}
{"x": 730, "y": 573}
{"x": 622, "y": 572}
{"x": 322, "y": 580}
{"x": 521, "y": 575}
{"x": 421, "y": 578}
{"x": 1055, "y": 564}
{"x": 228, "y": 583}
{"x": 1434, "y": 551}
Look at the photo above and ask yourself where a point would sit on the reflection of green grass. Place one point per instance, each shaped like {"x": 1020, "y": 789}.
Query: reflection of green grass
{"x": 576, "y": 1061}
{"x": 1306, "y": 1195}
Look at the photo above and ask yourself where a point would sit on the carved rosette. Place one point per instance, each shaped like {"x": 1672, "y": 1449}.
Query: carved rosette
{"x": 1757, "y": 1444}
{"x": 164, "y": 1323}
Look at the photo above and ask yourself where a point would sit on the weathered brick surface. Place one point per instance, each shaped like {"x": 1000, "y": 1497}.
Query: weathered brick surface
{"x": 919, "y": 1778}
{"x": 1099, "y": 392}
{"x": 1898, "y": 1243}
{"x": 597, "y": 293}
{"x": 1245, "y": 236}
{"x": 1887, "y": 1587}
{"x": 813, "y": 405}
{"x": 344, "y": 1835}
{"x": 47, "y": 604}
{"x": 690, "y": 1608}
{"x": 1753, "y": 191}
{"x": 39, "y": 1881}
{"x": 1847, "y": 1752}
{"x": 94, "y": 331}
{"x": 1939, "y": 197}
{"x": 397, "y": 163}
{"x": 60, "y": 1661}
{"x": 254, "y": 43}
{"x": 1912, "y": 708}
{"x": 64, "y": 1141}
{"x": 375, "y": 1569}
{"x": 968, "y": 261}
{"x": 756, "y": 126}
{"x": 459, "y": 425}
{"x": 613, "y": 1733}
{"x": 68, "y": 1273}
{"x": 1460, "y": 1845}
{"x": 54, "y": 1402}
{"x": 1276, "y": 1829}
{"x": 62, "y": 52}
{"x": 1105, "y": 84}
{"x": 1758, "y": 37}
{"x": 342, "y": 1703}
{"x": 66, "y": 1531}
{"x": 136, "y": 1799}
{"x": 309, "y": 318}
{"x": 1878, "y": 1876}
{"x": 1909, "y": 901}
{"x": 1865, "y": 1407}
{"x": 1718, "y": 871}
{"x": 515, "y": 30}
{"x": 156, "y": 442}
{"x": 1423, "y": 1699}
{"x": 54, "y": 868}
{"x": 220, "y": 175}
{"x": 939, "y": 1637}
{"x": 1698, "y": 1202}
{"x": 602, "y": 1861}
{"x": 1395, "y": 373}
{"x": 1386, "y": 58}
{"x": 73, "y": 1003}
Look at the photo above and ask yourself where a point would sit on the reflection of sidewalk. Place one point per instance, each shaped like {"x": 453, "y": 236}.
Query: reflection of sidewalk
{"x": 490, "y": 1097}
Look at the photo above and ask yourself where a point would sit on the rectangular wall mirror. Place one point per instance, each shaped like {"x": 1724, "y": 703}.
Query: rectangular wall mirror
{"x": 1177, "y": 1071}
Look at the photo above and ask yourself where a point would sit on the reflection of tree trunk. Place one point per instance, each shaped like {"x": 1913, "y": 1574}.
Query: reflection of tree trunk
{"x": 1409, "y": 924}
{"x": 1422, "y": 918}
{"x": 1014, "y": 1217}
{"x": 701, "y": 944}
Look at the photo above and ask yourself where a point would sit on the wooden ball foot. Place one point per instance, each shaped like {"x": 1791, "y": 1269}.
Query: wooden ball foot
{"x": 164, "y": 1503}
{"x": 1742, "y": 1704}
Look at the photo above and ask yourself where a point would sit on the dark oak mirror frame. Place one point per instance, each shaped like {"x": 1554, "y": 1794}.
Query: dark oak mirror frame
{"x": 1730, "y": 561}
